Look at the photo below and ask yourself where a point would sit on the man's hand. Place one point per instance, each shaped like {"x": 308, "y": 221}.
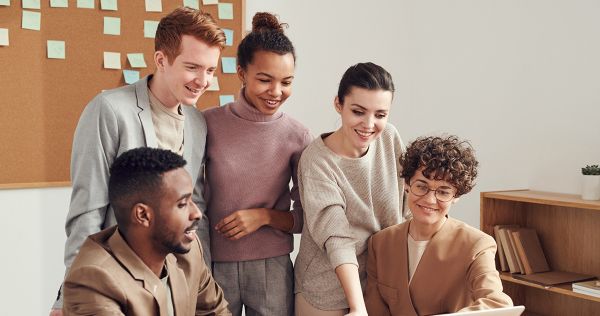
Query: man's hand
{"x": 56, "y": 312}
{"x": 243, "y": 222}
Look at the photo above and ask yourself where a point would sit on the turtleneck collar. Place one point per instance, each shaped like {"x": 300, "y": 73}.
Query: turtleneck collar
{"x": 243, "y": 109}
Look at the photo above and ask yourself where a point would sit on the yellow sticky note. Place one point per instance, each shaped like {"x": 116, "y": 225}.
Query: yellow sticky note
{"x": 3, "y": 37}
{"x": 5, "y": 2}
{"x": 210, "y": 2}
{"x": 31, "y": 4}
{"x": 112, "y": 60}
{"x": 136, "y": 60}
{"x": 214, "y": 84}
{"x": 110, "y": 5}
{"x": 31, "y": 20}
{"x": 112, "y": 25}
{"x": 226, "y": 11}
{"x": 59, "y": 3}
{"x": 85, "y": 4}
{"x": 150, "y": 28}
{"x": 194, "y": 4}
{"x": 56, "y": 49}
{"x": 153, "y": 6}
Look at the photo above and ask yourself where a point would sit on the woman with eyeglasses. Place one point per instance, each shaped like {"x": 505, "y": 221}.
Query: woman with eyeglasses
{"x": 433, "y": 264}
{"x": 350, "y": 188}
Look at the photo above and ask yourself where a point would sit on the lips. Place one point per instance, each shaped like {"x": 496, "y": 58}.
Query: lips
{"x": 192, "y": 90}
{"x": 190, "y": 233}
{"x": 364, "y": 134}
{"x": 271, "y": 103}
{"x": 428, "y": 210}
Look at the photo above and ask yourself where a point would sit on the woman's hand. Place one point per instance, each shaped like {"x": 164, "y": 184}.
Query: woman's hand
{"x": 243, "y": 222}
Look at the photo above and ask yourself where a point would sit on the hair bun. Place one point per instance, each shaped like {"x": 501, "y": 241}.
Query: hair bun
{"x": 264, "y": 21}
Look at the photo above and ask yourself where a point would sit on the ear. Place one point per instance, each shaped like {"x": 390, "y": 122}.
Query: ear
{"x": 455, "y": 200}
{"x": 160, "y": 59}
{"x": 241, "y": 74}
{"x": 142, "y": 214}
{"x": 337, "y": 105}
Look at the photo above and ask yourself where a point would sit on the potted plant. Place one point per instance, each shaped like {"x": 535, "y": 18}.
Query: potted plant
{"x": 591, "y": 183}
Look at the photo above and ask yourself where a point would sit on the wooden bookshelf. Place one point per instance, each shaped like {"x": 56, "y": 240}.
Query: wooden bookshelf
{"x": 569, "y": 231}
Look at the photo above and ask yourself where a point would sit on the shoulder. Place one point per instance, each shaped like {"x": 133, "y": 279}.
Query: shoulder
{"x": 390, "y": 234}
{"x": 316, "y": 158}
{"x": 465, "y": 234}
{"x": 215, "y": 113}
{"x": 194, "y": 115}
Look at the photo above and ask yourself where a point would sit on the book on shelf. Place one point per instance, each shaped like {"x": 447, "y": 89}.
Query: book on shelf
{"x": 513, "y": 266}
{"x": 580, "y": 291}
{"x": 530, "y": 250}
{"x": 588, "y": 286}
{"x": 501, "y": 255}
{"x": 513, "y": 245}
{"x": 553, "y": 277}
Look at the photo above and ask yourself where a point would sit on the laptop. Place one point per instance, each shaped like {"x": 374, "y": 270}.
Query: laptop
{"x": 504, "y": 311}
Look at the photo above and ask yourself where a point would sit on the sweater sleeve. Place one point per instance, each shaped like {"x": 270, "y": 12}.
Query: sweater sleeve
{"x": 297, "y": 210}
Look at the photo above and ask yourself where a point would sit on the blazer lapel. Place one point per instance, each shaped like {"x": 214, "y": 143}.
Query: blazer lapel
{"x": 145, "y": 114}
{"x": 179, "y": 287}
{"x": 403, "y": 284}
{"x": 187, "y": 138}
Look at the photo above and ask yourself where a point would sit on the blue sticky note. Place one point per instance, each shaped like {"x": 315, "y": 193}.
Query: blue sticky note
{"x": 131, "y": 76}
{"x": 31, "y": 4}
{"x": 153, "y": 6}
{"x": 194, "y": 4}
{"x": 150, "y": 28}
{"x": 108, "y": 5}
{"x": 225, "y": 98}
{"x": 31, "y": 20}
{"x": 228, "y": 37}
{"x": 112, "y": 25}
{"x": 206, "y": 2}
{"x": 56, "y": 49}
{"x": 112, "y": 60}
{"x": 225, "y": 11}
{"x": 228, "y": 64}
{"x": 85, "y": 4}
{"x": 3, "y": 37}
{"x": 136, "y": 60}
{"x": 59, "y": 3}
{"x": 5, "y": 2}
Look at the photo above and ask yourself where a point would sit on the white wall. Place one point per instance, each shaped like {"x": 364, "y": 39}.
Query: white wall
{"x": 519, "y": 78}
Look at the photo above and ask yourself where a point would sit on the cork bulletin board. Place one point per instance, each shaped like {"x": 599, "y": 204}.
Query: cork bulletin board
{"x": 42, "y": 98}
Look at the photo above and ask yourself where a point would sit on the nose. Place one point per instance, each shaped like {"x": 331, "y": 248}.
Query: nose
{"x": 195, "y": 213}
{"x": 429, "y": 197}
{"x": 202, "y": 79}
{"x": 369, "y": 121}
{"x": 275, "y": 90}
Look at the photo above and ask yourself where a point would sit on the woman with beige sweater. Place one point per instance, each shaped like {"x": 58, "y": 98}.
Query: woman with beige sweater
{"x": 350, "y": 189}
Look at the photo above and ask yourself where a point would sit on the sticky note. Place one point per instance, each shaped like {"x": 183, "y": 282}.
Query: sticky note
{"x": 194, "y": 4}
{"x": 110, "y": 5}
{"x": 112, "y": 26}
{"x": 228, "y": 37}
{"x": 131, "y": 76}
{"x": 226, "y": 11}
{"x": 31, "y": 20}
{"x": 136, "y": 60}
{"x": 214, "y": 84}
{"x": 56, "y": 49}
{"x": 153, "y": 6}
{"x": 112, "y": 60}
{"x": 210, "y": 2}
{"x": 225, "y": 98}
{"x": 5, "y": 2}
{"x": 150, "y": 28}
{"x": 59, "y": 3}
{"x": 31, "y": 4}
{"x": 228, "y": 65}
{"x": 85, "y": 4}
{"x": 3, "y": 37}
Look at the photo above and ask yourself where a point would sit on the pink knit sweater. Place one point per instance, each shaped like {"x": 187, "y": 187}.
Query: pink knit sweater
{"x": 250, "y": 159}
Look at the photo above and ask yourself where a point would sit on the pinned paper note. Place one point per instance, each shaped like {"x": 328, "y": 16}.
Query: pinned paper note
{"x": 56, "y": 49}
{"x": 112, "y": 60}
{"x": 194, "y": 4}
{"x": 85, "y": 4}
{"x": 3, "y": 37}
{"x": 153, "y": 6}
{"x": 224, "y": 99}
{"x": 228, "y": 37}
{"x": 150, "y": 28}
{"x": 136, "y": 60}
{"x": 131, "y": 76}
{"x": 110, "y": 5}
{"x": 112, "y": 26}
{"x": 59, "y": 3}
{"x": 228, "y": 65}
{"x": 31, "y": 20}
{"x": 206, "y": 2}
{"x": 5, "y": 2}
{"x": 214, "y": 84}
{"x": 31, "y": 4}
{"x": 226, "y": 11}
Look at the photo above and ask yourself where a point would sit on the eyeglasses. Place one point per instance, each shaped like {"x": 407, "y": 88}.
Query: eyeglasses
{"x": 443, "y": 194}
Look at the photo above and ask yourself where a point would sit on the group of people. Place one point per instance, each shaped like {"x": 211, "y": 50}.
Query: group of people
{"x": 192, "y": 213}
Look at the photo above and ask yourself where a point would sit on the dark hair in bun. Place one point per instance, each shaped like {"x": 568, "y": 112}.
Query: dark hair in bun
{"x": 267, "y": 34}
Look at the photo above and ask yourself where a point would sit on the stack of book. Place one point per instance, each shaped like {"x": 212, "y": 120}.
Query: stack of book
{"x": 520, "y": 252}
{"x": 591, "y": 288}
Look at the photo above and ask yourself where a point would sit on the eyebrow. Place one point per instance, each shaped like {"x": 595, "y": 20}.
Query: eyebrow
{"x": 185, "y": 196}
{"x": 365, "y": 109}
{"x": 267, "y": 75}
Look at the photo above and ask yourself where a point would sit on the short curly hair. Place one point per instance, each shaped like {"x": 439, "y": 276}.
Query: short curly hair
{"x": 445, "y": 158}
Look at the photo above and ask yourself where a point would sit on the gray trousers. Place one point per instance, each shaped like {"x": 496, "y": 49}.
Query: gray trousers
{"x": 263, "y": 287}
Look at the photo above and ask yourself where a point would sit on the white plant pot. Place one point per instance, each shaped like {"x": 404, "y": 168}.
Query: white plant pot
{"x": 591, "y": 187}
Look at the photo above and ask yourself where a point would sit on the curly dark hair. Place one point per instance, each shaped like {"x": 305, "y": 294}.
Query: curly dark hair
{"x": 267, "y": 35}
{"x": 136, "y": 177}
{"x": 443, "y": 158}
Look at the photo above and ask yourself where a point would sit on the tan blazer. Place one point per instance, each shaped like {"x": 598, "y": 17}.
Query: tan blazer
{"x": 108, "y": 278}
{"x": 457, "y": 272}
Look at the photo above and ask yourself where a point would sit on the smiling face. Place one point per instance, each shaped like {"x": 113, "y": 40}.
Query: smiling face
{"x": 184, "y": 79}
{"x": 176, "y": 214}
{"x": 427, "y": 210}
{"x": 268, "y": 80}
{"x": 364, "y": 116}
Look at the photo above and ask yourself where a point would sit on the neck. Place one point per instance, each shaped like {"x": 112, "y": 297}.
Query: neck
{"x": 421, "y": 232}
{"x": 161, "y": 91}
{"x": 147, "y": 252}
{"x": 339, "y": 144}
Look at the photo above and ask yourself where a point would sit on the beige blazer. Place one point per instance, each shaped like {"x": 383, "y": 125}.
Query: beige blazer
{"x": 456, "y": 273}
{"x": 108, "y": 278}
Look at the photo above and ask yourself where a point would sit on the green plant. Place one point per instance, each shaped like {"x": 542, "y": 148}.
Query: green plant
{"x": 592, "y": 170}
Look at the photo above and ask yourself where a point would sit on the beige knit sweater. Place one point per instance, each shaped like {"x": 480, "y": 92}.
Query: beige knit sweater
{"x": 345, "y": 200}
